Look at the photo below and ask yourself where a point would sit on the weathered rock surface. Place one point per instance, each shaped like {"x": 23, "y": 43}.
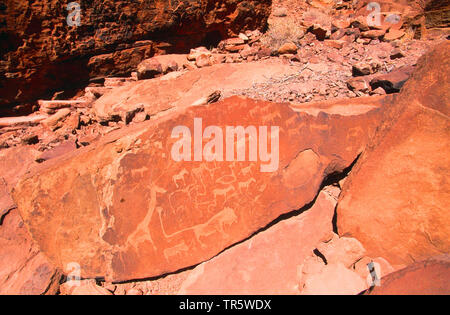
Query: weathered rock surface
{"x": 24, "y": 269}
{"x": 395, "y": 201}
{"x": 124, "y": 209}
{"x": 185, "y": 89}
{"x": 342, "y": 250}
{"x": 83, "y": 287}
{"x": 429, "y": 277}
{"x": 269, "y": 262}
{"x": 41, "y": 51}
{"x": 334, "y": 279}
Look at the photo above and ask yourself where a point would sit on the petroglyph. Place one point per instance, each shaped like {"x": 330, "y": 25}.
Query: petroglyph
{"x": 146, "y": 214}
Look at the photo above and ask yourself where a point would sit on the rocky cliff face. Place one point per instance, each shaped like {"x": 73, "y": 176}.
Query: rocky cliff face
{"x": 42, "y": 54}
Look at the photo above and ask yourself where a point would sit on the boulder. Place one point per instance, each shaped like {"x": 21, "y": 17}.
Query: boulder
{"x": 141, "y": 213}
{"x": 359, "y": 84}
{"x": 345, "y": 250}
{"x": 393, "y": 81}
{"x": 194, "y": 53}
{"x": 366, "y": 67}
{"x": 395, "y": 201}
{"x": 288, "y": 48}
{"x": 61, "y": 149}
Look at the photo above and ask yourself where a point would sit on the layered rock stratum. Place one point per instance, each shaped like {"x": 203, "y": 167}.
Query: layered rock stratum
{"x": 111, "y": 39}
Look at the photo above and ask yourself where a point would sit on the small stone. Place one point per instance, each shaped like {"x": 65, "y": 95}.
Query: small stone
{"x": 338, "y": 44}
{"x": 149, "y": 69}
{"x": 320, "y": 31}
{"x": 378, "y": 91}
{"x": 359, "y": 84}
{"x": 243, "y": 37}
{"x": 396, "y": 54}
{"x": 52, "y": 121}
{"x": 365, "y": 68}
{"x": 373, "y": 34}
{"x": 194, "y": 53}
{"x": 203, "y": 60}
{"x": 214, "y": 97}
{"x": 288, "y": 48}
{"x": 30, "y": 139}
{"x": 393, "y": 35}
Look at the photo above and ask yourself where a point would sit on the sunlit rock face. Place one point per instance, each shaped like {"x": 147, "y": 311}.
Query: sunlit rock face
{"x": 46, "y": 48}
{"x": 128, "y": 208}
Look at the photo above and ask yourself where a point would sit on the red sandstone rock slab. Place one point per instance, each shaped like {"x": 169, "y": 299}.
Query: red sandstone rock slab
{"x": 124, "y": 209}
{"x": 24, "y": 270}
{"x": 429, "y": 277}
{"x": 163, "y": 93}
{"x": 395, "y": 201}
{"x": 393, "y": 81}
{"x": 270, "y": 261}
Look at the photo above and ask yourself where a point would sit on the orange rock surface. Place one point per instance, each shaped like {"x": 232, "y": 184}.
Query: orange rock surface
{"x": 124, "y": 209}
{"x": 395, "y": 201}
